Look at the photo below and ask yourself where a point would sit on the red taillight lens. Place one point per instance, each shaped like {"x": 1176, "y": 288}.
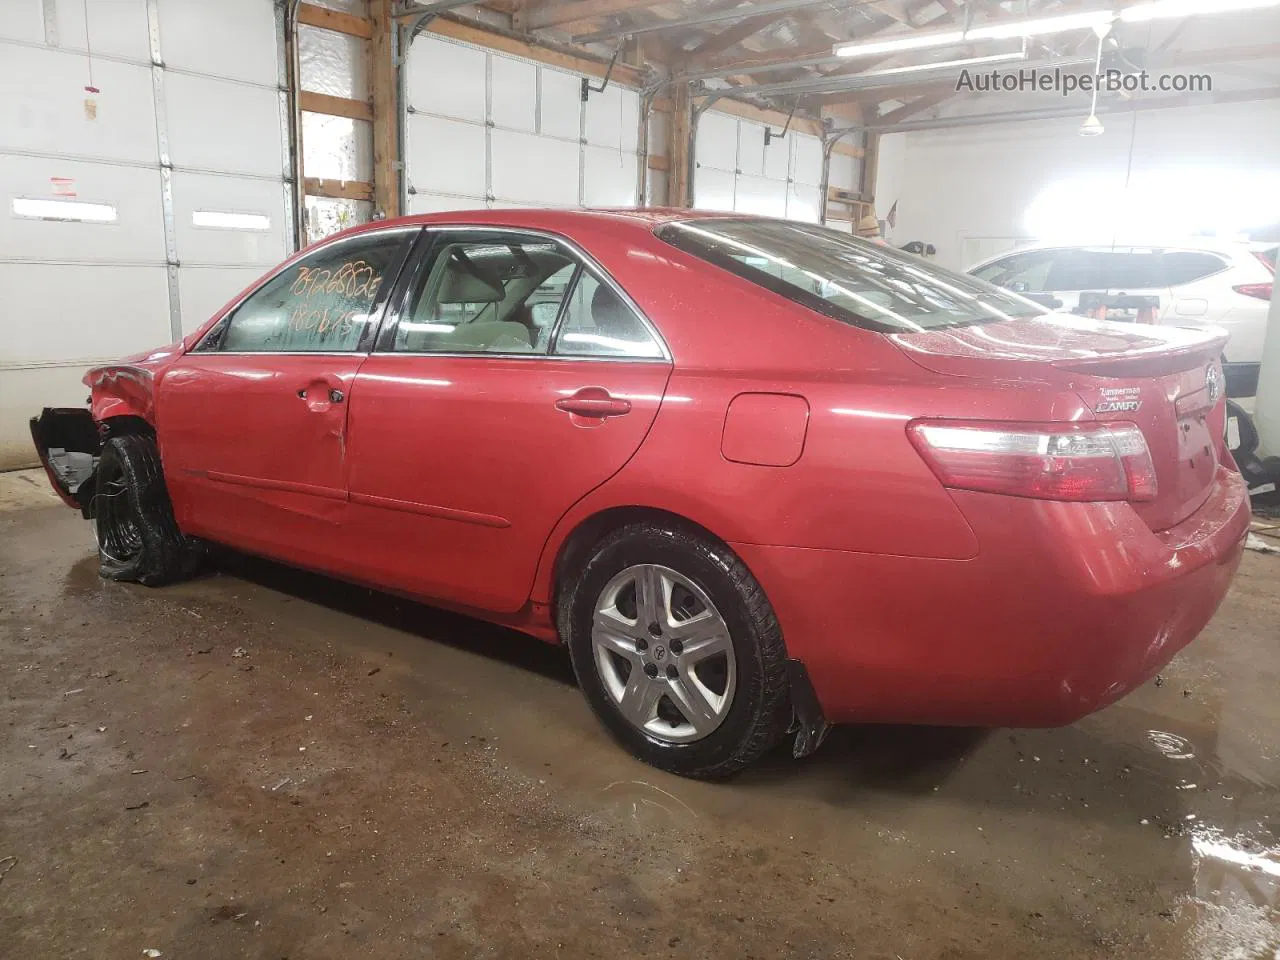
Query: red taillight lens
{"x": 1079, "y": 462}
{"x": 1261, "y": 291}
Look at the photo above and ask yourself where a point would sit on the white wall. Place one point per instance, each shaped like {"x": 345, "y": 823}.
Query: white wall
{"x": 975, "y": 191}
{"x": 166, "y": 151}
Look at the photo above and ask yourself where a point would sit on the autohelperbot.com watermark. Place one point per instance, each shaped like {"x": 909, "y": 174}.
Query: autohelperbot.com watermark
{"x": 1034, "y": 80}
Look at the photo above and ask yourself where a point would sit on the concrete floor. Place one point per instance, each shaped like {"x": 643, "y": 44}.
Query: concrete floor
{"x": 267, "y": 764}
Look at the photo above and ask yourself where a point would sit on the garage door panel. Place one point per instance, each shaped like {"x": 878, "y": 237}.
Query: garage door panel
{"x": 203, "y": 291}
{"x": 134, "y": 192}
{"x": 713, "y": 189}
{"x": 116, "y": 27}
{"x": 761, "y": 196}
{"x": 229, "y": 38}
{"x": 23, "y": 20}
{"x": 751, "y": 148}
{"x": 84, "y": 311}
{"x": 446, "y": 156}
{"x": 204, "y": 236}
{"x": 463, "y": 96}
{"x": 717, "y": 141}
{"x": 604, "y": 117}
{"x": 534, "y": 169}
{"x": 514, "y": 94}
{"x": 440, "y": 202}
{"x": 215, "y": 125}
{"x": 777, "y": 158}
{"x": 803, "y": 203}
{"x": 807, "y": 167}
{"x": 609, "y": 177}
{"x": 48, "y": 116}
{"x": 561, "y": 105}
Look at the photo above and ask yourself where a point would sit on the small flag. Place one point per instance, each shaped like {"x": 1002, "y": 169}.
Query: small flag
{"x": 892, "y": 218}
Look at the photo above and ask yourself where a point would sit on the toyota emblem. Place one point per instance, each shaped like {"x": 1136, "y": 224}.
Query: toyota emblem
{"x": 1212, "y": 384}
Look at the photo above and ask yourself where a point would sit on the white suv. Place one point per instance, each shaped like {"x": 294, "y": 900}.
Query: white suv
{"x": 1203, "y": 282}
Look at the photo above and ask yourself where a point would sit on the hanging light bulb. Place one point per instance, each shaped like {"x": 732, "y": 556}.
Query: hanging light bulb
{"x": 1092, "y": 127}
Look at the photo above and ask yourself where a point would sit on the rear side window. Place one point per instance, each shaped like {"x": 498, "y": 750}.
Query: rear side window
{"x": 598, "y": 324}
{"x": 857, "y": 282}
{"x": 1188, "y": 266}
{"x": 324, "y": 303}
{"x": 1121, "y": 270}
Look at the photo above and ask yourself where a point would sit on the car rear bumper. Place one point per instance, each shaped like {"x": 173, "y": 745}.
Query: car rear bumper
{"x": 1066, "y": 608}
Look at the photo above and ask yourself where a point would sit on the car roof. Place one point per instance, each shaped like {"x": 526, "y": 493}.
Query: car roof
{"x": 549, "y": 218}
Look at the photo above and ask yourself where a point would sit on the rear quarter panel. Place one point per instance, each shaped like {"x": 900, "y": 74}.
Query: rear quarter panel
{"x": 858, "y": 484}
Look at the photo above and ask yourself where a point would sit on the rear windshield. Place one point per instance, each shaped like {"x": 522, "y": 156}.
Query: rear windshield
{"x": 852, "y": 280}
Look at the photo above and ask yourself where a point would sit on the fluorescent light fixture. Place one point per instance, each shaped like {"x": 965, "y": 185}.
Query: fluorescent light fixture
{"x": 944, "y": 64}
{"x": 910, "y": 41}
{"x": 223, "y": 220}
{"x": 73, "y": 211}
{"x": 1040, "y": 27}
{"x": 1168, "y": 9}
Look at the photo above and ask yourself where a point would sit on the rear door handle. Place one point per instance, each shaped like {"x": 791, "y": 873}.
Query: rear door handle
{"x": 594, "y": 402}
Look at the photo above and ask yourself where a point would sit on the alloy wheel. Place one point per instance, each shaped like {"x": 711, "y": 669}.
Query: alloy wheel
{"x": 664, "y": 653}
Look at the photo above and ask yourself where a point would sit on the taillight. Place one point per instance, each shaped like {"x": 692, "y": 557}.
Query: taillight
{"x": 1079, "y": 462}
{"x": 1261, "y": 291}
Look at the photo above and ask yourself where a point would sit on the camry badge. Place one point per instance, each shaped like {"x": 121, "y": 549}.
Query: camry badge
{"x": 1212, "y": 383}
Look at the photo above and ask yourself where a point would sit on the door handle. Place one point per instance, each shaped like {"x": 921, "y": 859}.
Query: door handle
{"x": 334, "y": 395}
{"x": 594, "y": 402}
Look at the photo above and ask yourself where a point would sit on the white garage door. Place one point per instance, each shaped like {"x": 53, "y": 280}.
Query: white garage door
{"x": 131, "y": 213}
{"x": 486, "y": 129}
{"x": 737, "y": 171}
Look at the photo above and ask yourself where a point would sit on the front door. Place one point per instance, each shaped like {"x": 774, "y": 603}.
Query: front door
{"x": 515, "y": 379}
{"x": 253, "y": 420}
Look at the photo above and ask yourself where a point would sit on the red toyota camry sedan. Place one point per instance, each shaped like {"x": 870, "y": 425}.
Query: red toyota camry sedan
{"x": 758, "y": 476}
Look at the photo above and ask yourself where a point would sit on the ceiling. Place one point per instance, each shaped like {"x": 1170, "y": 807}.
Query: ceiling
{"x": 779, "y": 52}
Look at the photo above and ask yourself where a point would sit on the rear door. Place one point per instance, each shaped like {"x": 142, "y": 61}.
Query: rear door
{"x": 253, "y": 421}
{"x": 514, "y": 378}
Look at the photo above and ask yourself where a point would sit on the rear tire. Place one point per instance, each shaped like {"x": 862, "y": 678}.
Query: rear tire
{"x": 667, "y": 700}
{"x": 138, "y": 537}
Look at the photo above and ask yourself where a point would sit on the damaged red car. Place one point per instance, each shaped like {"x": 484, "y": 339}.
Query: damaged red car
{"x": 758, "y": 476}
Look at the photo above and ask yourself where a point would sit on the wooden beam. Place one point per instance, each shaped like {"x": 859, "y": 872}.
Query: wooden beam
{"x": 558, "y": 14}
{"x": 334, "y": 106}
{"x": 471, "y": 33}
{"x": 680, "y": 135}
{"x": 847, "y": 149}
{"x": 314, "y": 16}
{"x": 659, "y": 163}
{"x": 870, "y": 168}
{"x": 914, "y": 107}
{"x": 338, "y": 189}
{"x": 382, "y": 81}
{"x": 731, "y": 36}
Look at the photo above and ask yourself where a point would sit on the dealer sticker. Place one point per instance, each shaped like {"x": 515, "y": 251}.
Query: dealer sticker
{"x": 1119, "y": 400}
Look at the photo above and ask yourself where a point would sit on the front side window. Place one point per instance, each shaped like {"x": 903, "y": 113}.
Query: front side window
{"x": 1101, "y": 269}
{"x": 324, "y": 303}
{"x": 488, "y": 294}
{"x": 852, "y": 280}
{"x": 1021, "y": 273}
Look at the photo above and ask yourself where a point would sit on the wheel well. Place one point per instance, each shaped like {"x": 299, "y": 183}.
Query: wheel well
{"x": 577, "y": 546}
{"x": 125, "y": 426}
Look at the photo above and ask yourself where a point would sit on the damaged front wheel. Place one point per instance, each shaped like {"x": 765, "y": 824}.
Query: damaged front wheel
{"x": 138, "y": 537}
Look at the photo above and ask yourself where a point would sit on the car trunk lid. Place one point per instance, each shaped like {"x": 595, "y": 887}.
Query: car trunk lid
{"x": 1167, "y": 381}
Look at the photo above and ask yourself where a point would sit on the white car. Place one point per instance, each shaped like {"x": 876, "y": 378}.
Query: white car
{"x": 1198, "y": 283}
